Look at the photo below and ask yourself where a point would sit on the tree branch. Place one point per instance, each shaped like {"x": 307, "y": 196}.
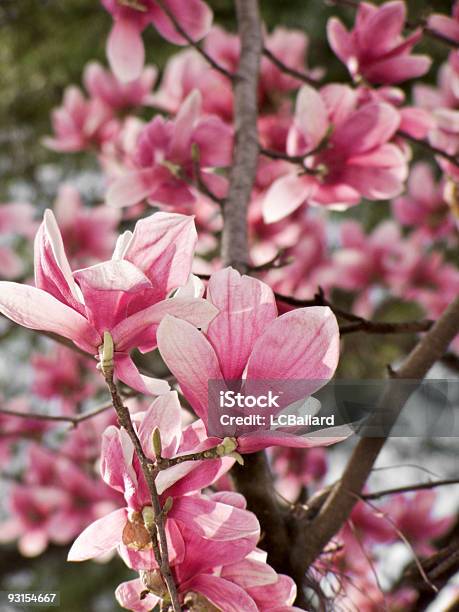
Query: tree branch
{"x": 343, "y": 495}
{"x": 420, "y": 486}
{"x": 74, "y": 420}
{"x": 235, "y": 251}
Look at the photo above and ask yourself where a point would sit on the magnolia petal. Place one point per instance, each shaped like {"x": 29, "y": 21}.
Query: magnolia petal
{"x": 162, "y": 246}
{"x": 128, "y": 596}
{"x": 36, "y": 309}
{"x": 165, "y": 414}
{"x": 125, "y": 50}
{"x": 223, "y": 594}
{"x": 100, "y": 537}
{"x": 130, "y": 188}
{"x": 194, "y": 16}
{"x": 191, "y": 358}
{"x": 127, "y": 372}
{"x": 246, "y": 306}
{"x": 285, "y": 195}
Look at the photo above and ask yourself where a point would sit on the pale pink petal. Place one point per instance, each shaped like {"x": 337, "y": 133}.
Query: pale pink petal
{"x": 214, "y": 139}
{"x": 260, "y": 439}
{"x": 246, "y": 306}
{"x": 128, "y": 596}
{"x": 127, "y": 372}
{"x": 184, "y": 124}
{"x": 165, "y": 414}
{"x": 100, "y": 537}
{"x": 52, "y": 269}
{"x": 125, "y": 50}
{"x": 283, "y": 591}
{"x": 36, "y": 309}
{"x": 191, "y": 358}
{"x": 340, "y": 40}
{"x": 301, "y": 345}
{"x": 213, "y": 520}
{"x": 162, "y": 246}
{"x": 249, "y": 573}
{"x": 285, "y": 195}
{"x": 131, "y": 188}
{"x": 311, "y": 120}
{"x": 139, "y": 330}
{"x": 221, "y": 593}
{"x": 33, "y": 542}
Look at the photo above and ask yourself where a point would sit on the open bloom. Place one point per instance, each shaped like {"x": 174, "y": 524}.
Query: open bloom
{"x": 103, "y": 85}
{"x": 295, "y": 354}
{"x": 126, "y": 296}
{"x": 375, "y": 48}
{"x": 346, "y": 153}
{"x": 164, "y": 161}
{"x": 125, "y": 50}
{"x": 208, "y": 580}
{"x": 80, "y": 124}
{"x": 191, "y": 513}
{"x": 89, "y": 234}
{"x": 424, "y": 206}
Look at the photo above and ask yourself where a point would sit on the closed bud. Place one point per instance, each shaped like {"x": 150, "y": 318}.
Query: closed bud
{"x": 157, "y": 445}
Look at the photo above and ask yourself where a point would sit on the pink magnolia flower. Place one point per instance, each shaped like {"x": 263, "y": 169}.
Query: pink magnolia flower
{"x": 127, "y": 296}
{"x": 248, "y": 584}
{"x": 446, "y": 26}
{"x": 186, "y": 71}
{"x": 414, "y": 517}
{"x": 297, "y": 353}
{"x": 101, "y": 84}
{"x": 56, "y": 500}
{"x": 164, "y": 160}
{"x": 61, "y": 374}
{"x": 16, "y": 219}
{"x": 347, "y": 154}
{"x": 191, "y": 514}
{"x": 89, "y": 234}
{"x": 424, "y": 205}
{"x": 375, "y": 48}
{"x": 125, "y": 50}
{"x": 367, "y": 259}
{"x": 81, "y": 124}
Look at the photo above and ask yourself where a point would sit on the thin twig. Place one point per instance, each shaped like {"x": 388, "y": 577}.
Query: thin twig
{"x": 210, "y": 60}
{"x": 74, "y": 420}
{"x": 156, "y": 530}
{"x": 420, "y": 486}
{"x": 454, "y": 159}
{"x": 297, "y": 74}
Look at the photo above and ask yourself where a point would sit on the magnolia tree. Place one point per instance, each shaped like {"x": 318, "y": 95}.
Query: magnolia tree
{"x": 222, "y": 252}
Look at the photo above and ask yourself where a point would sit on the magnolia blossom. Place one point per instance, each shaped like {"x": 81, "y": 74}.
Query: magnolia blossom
{"x": 126, "y": 296}
{"x": 446, "y": 26}
{"x": 375, "y": 48}
{"x": 191, "y": 514}
{"x": 89, "y": 234}
{"x": 80, "y": 124}
{"x": 424, "y": 205}
{"x": 56, "y": 500}
{"x": 295, "y": 354}
{"x": 103, "y": 85}
{"x": 125, "y": 50}
{"x": 208, "y": 580}
{"x": 166, "y": 155}
{"x": 347, "y": 153}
